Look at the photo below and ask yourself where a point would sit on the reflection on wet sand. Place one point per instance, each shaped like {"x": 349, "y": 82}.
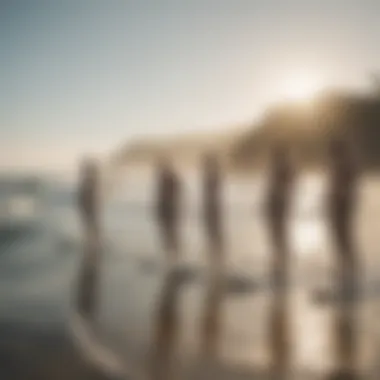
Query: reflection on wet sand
{"x": 279, "y": 334}
{"x": 166, "y": 328}
{"x": 280, "y": 345}
{"x": 211, "y": 322}
{"x": 167, "y": 323}
{"x": 345, "y": 342}
{"x": 87, "y": 301}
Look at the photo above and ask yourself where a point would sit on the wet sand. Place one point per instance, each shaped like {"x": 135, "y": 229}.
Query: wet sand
{"x": 39, "y": 281}
{"x": 28, "y": 353}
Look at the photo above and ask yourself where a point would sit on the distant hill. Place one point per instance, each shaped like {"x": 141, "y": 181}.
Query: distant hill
{"x": 184, "y": 149}
{"x": 307, "y": 129}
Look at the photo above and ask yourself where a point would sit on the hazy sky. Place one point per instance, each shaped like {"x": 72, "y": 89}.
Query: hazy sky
{"x": 85, "y": 75}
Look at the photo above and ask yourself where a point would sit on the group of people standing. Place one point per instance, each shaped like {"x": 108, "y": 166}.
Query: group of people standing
{"x": 168, "y": 203}
{"x": 340, "y": 203}
{"x": 340, "y": 206}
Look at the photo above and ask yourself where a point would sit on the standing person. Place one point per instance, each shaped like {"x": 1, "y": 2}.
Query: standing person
{"x": 341, "y": 204}
{"x": 88, "y": 197}
{"x": 281, "y": 180}
{"x": 212, "y": 202}
{"x": 88, "y": 194}
{"x": 168, "y": 204}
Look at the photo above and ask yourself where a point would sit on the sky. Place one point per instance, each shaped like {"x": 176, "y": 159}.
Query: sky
{"x": 84, "y": 76}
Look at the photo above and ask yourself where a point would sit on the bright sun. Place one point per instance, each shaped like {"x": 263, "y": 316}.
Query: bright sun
{"x": 301, "y": 87}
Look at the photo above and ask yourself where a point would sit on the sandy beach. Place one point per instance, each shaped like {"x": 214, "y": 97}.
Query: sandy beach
{"x": 142, "y": 313}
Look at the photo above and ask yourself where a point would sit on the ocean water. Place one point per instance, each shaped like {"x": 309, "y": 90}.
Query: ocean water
{"x": 39, "y": 271}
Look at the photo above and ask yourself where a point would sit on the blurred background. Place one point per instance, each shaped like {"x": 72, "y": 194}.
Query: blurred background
{"x": 128, "y": 82}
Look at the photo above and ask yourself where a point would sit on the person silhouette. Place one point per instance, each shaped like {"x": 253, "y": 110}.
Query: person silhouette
{"x": 341, "y": 201}
{"x": 88, "y": 195}
{"x": 212, "y": 203}
{"x": 167, "y": 208}
{"x": 278, "y": 202}
{"x": 166, "y": 329}
{"x": 281, "y": 180}
{"x": 88, "y": 204}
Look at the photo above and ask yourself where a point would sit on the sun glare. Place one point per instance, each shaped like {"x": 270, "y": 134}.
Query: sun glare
{"x": 301, "y": 87}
